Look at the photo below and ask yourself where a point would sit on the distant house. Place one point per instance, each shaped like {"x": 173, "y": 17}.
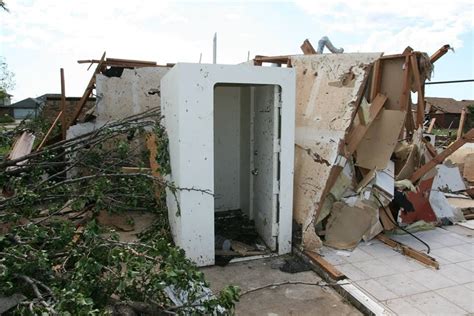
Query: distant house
{"x": 47, "y": 106}
{"x": 29, "y": 107}
{"x": 5, "y": 102}
{"x": 447, "y": 111}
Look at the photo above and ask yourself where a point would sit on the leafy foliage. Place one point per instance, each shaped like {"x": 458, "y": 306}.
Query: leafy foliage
{"x": 80, "y": 268}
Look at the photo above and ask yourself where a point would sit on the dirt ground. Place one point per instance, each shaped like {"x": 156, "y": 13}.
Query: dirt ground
{"x": 290, "y": 299}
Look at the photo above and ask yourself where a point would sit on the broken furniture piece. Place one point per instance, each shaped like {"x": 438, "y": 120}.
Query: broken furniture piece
{"x": 231, "y": 143}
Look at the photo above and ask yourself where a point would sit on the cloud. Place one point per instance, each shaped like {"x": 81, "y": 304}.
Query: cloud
{"x": 392, "y": 25}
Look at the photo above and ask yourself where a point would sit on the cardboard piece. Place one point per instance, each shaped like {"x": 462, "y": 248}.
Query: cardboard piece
{"x": 377, "y": 146}
{"x": 347, "y": 224}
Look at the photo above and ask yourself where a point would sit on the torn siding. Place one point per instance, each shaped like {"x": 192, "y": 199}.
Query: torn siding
{"x": 327, "y": 87}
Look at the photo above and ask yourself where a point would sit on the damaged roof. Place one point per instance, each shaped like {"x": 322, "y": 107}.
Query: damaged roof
{"x": 447, "y": 105}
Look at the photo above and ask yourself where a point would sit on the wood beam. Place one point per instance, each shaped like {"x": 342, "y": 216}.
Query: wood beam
{"x": 409, "y": 252}
{"x": 87, "y": 93}
{"x": 357, "y": 133}
{"x": 307, "y": 48}
{"x": 432, "y": 123}
{"x": 376, "y": 79}
{"x": 440, "y": 53}
{"x": 327, "y": 267}
{"x": 63, "y": 105}
{"x": 58, "y": 117}
{"x": 420, "y": 109}
{"x": 462, "y": 120}
{"x": 468, "y": 137}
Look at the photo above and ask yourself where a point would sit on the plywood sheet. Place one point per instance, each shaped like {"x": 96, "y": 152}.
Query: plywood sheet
{"x": 347, "y": 224}
{"x": 391, "y": 81}
{"x": 469, "y": 168}
{"x": 377, "y": 146}
{"x": 327, "y": 88}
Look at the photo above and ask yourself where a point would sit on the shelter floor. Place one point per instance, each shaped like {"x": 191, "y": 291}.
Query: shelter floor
{"x": 407, "y": 287}
{"x": 287, "y": 299}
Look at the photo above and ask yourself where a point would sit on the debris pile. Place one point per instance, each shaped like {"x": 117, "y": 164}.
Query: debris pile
{"x": 364, "y": 162}
{"x": 84, "y": 229}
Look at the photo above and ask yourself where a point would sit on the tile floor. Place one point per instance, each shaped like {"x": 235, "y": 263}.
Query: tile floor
{"x": 406, "y": 286}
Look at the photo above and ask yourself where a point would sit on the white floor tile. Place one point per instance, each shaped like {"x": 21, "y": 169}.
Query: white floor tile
{"x": 433, "y": 304}
{"x": 403, "y": 308}
{"x": 468, "y": 265}
{"x": 450, "y": 255}
{"x": 359, "y": 254}
{"x": 376, "y": 289}
{"x": 431, "y": 279}
{"x": 378, "y": 250}
{"x": 401, "y": 285}
{"x": 467, "y": 249}
{"x": 402, "y": 263}
{"x": 352, "y": 272}
{"x": 456, "y": 273}
{"x": 375, "y": 268}
{"x": 459, "y": 295}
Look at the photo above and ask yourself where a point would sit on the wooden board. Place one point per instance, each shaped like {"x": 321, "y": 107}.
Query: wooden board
{"x": 469, "y": 168}
{"x": 307, "y": 48}
{"x": 333, "y": 272}
{"x": 468, "y": 137}
{"x": 391, "y": 81}
{"x": 377, "y": 146}
{"x": 410, "y": 252}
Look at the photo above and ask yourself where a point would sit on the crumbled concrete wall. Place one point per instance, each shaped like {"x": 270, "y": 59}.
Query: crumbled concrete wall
{"x": 327, "y": 87}
{"x": 120, "y": 97}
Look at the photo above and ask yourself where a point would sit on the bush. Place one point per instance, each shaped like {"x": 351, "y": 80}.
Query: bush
{"x": 5, "y": 118}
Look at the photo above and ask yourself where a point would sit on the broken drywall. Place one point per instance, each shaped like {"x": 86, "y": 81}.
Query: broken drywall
{"x": 327, "y": 88}
{"x": 129, "y": 94}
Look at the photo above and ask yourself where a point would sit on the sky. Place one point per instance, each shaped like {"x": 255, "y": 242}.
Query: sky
{"x": 37, "y": 38}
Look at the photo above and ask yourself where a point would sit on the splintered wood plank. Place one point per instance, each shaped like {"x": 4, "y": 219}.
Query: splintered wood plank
{"x": 420, "y": 110}
{"x": 376, "y": 77}
{"x": 405, "y": 96}
{"x": 440, "y": 53}
{"x": 461, "y": 123}
{"x": 87, "y": 92}
{"x": 409, "y": 252}
{"x": 432, "y": 123}
{"x": 356, "y": 135}
{"x": 468, "y": 137}
{"x": 154, "y": 166}
{"x": 378, "y": 143}
{"x": 63, "y": 105}
{"x": 58, "y": 117}
{"x": 333, "y": 272}
{"x": 307, "y": 48}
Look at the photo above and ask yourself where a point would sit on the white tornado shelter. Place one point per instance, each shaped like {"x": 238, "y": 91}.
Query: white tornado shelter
{"x": 231, "y": 137}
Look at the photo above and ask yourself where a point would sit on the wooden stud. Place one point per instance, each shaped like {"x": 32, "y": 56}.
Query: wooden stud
{"x": 49, "y": 130}
{"x": 440, "y": 53}
{"x": 468, "y": 137}
{"x": 404, "y": 98}
{"x": 432, "y": 123}
{"x": 307, "y": 48}
{"x": 63, "y": 105}
{"x": 154, "y": 166}
{"x": 87, "y": 93}
{"x": 409, "y": 252}
{"x": 420, "y": 110}
{"x": 431, "y": 149}
{"x": 357, "y": 133}
{"x": 376, "y": 79}
{"x": 333, "y": 272}
{"x": 461, "y": 123}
